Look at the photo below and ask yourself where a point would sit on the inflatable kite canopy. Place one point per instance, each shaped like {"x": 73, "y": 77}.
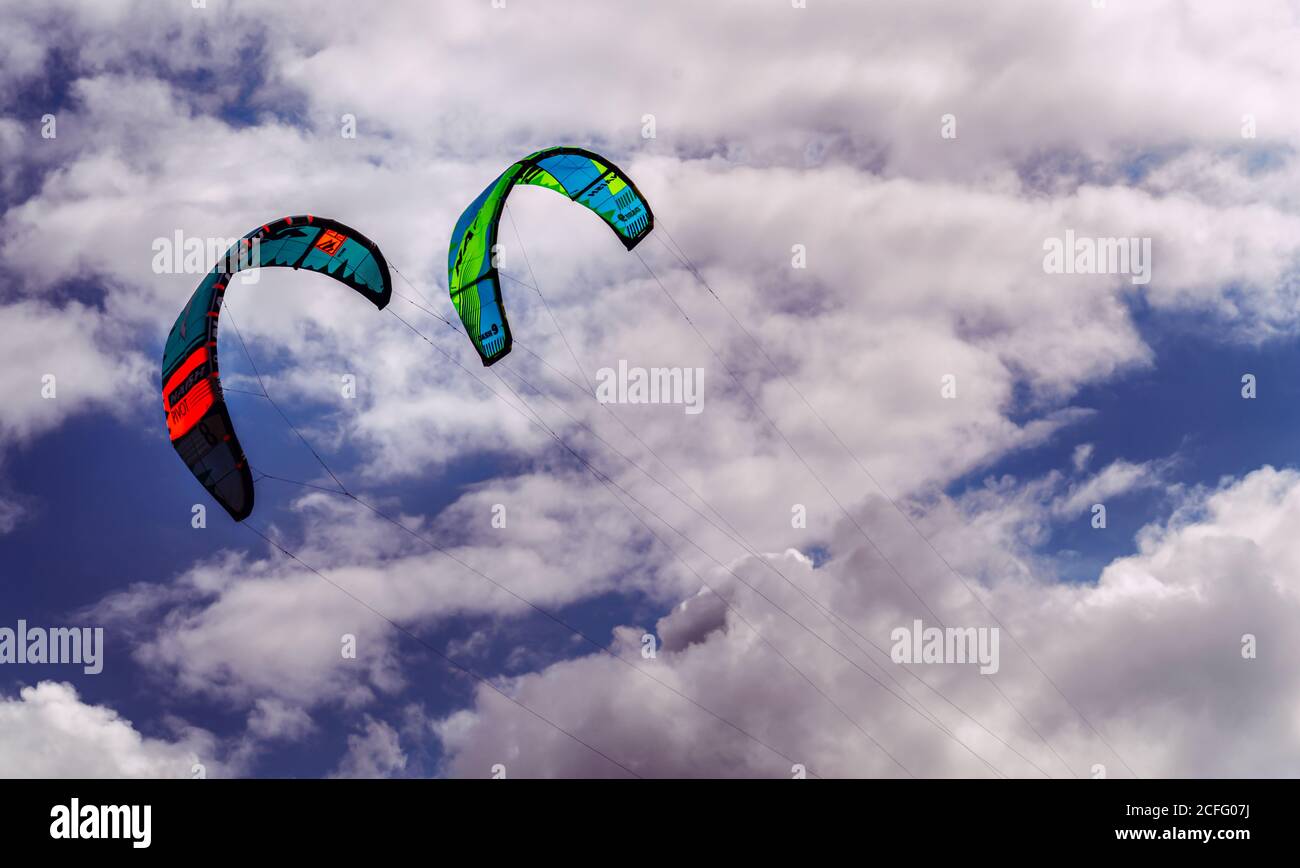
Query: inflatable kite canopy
{"x": 584, "y": 177}
{"x": 193, "y": 404}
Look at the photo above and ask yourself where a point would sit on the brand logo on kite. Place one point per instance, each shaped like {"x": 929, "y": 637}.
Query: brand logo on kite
{"x": 188, "y": 393}
{"x": 191, "y": 380}
{"x": 460, "y": 254}
{"x": 490, "y": 333}
{"x": 330, "y": 242}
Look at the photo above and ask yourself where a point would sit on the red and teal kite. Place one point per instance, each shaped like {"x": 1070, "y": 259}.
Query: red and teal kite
{"x": 195, "y": 409}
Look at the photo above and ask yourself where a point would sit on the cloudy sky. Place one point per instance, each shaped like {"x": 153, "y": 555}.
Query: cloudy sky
{"x": 908, "y": 414}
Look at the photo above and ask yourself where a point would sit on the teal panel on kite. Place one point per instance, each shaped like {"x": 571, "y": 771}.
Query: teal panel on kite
{"x": 193, "y": 403}
{"x": 472, "y": 279}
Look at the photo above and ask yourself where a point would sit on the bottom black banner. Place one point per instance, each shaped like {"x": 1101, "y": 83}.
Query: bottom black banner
{"x": 533, "y": 817}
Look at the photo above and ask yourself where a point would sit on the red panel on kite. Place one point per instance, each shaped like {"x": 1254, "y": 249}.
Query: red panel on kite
{"x": 188, "y": 394}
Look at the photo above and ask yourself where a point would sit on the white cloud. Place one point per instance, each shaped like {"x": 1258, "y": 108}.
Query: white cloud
{"x": 47, "y": 731}
{"x": 90, "y": 368}
{"x": 10, "y": 514}
{"x": 1147, "y": 654}
{"x": 272, "y": 719}
{"x": 1116, "y": 479}
{"x": 376, "y": 752}
{"x": 265, "y": 631}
